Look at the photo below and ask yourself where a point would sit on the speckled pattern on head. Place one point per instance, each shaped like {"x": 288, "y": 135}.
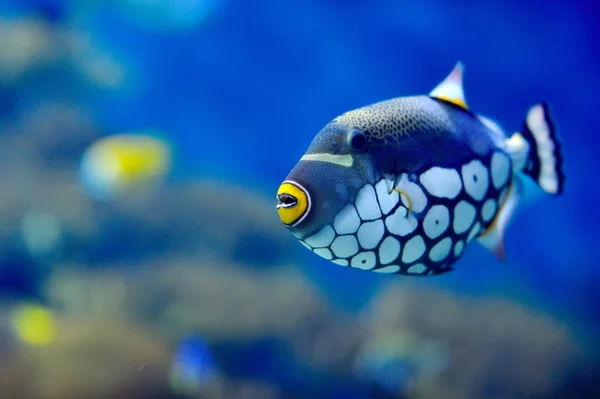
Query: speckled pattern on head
{"x": 408, "y": 133}
{"x": 402, "y": 186}
{"x": 392, "y": 119}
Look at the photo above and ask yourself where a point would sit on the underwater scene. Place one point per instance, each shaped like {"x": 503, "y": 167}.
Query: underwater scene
{"x": 330, "y": 199}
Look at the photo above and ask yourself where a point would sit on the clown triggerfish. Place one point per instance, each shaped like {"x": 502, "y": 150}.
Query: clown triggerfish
{"x": 403, "y": 185}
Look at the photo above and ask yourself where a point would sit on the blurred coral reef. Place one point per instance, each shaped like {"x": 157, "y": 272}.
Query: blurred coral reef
{"x": 117, "y": 331}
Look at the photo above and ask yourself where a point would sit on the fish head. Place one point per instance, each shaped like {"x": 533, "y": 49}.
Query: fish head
{"x": 327, "y": 178}
{"x": 345, "y": 201}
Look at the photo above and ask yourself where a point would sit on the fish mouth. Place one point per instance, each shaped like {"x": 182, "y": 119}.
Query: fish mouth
{"x": 285, "y": 200}
{"x": 293, "y": 203}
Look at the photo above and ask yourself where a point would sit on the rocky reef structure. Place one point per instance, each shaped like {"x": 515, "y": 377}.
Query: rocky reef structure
{"x": 118, "y": 331}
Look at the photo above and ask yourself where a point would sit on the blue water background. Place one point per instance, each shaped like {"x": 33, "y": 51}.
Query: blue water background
{"x": 242, "y": 95}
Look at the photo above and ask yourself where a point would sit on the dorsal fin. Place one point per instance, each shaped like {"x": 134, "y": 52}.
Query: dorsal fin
{"x": 451, "y": 89}
{"x": 492, "y": 125}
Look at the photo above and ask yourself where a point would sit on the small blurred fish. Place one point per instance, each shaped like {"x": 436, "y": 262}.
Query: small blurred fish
{"x": 393, "y": 360}
{"x": 124, "y": 163}
{"x": 33, "y": 324}
{"x": 402, "y": 186}
{"x": 193, "y": 366}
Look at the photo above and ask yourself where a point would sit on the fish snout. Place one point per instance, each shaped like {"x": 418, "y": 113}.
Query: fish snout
{"x": 293, "y": 203}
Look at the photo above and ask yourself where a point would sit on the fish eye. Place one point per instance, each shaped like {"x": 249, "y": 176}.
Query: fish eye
{"x": 357, "y": 140}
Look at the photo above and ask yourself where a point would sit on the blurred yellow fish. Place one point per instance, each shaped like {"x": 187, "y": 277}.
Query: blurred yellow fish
{"x": 124, "y": 163}
{"x": 33, "y": 324}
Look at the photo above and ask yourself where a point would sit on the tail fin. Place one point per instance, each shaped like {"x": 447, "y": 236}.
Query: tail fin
{"x": 545, "y": 161}
{"x": 535, "y": 151}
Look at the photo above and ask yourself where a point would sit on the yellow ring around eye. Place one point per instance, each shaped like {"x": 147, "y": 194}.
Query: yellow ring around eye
{"x": 293, "y": 212}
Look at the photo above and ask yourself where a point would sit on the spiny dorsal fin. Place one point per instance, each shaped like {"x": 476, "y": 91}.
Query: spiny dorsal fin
{"x": 451, "y": 89}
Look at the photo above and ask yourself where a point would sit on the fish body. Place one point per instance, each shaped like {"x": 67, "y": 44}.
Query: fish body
{"x": 124, "y": 163}
{"x": 193, "y": 365}
{"x": 403, "y": 185}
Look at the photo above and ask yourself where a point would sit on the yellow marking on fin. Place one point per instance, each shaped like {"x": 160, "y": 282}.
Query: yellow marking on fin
{"x": 455, "y": 101}
{"x": 451, "y": 88}
{"x": 345, "y": 160}
{"x": 402, "y": 192}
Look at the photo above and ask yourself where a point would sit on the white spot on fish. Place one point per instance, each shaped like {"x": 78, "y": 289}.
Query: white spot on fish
{"x": 441, "y": 250}
{"x": 344, "y": 246}
{"x": 364, "y": 260}
{"x": 464, "y": 214}
{"x": 475, "y": 179}
{"x": 413, "y": 191}
{"x": 436, "y": 221}
{"x": 387, "y": 200}
{"x": 503, "y": 195}
{"x": 500, "y": 169}
{"x": 488, "y": 210}
{"x": 324, "y": 253}
{"x": 347, "y": 220}
{"x": 399, "y": 224}
{"x": 389, "y": 250}
{"x": 441, "y": 182}
{"x": 370, "y": 233}
{"x": 458, "y": 248}
{"x": 413, "y": 249}
{"x": 388, "y": 269}
{"x": 366, "y": 203}
{"x": 419, "y": 268}
{"x": 322, "y": 238}
{"x": 474, "y": 231}
{"x": 341, "y": 262}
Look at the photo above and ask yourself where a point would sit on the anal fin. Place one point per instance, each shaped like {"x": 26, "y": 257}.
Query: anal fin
{"x": 493, "y": 237}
